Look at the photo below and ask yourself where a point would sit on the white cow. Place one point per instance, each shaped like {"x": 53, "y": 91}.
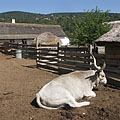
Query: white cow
{"x": 68, "y": 88}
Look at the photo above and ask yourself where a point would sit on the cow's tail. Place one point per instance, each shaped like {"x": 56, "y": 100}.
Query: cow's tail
{"x": 38, "y": 100}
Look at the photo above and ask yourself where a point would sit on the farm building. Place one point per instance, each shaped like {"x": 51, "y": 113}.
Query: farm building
{"x": 25, "y": 33}
{"x": 111, "y": 41}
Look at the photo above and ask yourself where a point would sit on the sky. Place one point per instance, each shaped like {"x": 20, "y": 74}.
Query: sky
{"x": 58, "y": 6}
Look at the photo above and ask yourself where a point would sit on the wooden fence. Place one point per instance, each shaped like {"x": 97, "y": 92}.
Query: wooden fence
{"x": 74, "y": 58}
{"x": 27, "y": 51}
{"x": 63, "y": 59}
{"x": 112, "y": 65}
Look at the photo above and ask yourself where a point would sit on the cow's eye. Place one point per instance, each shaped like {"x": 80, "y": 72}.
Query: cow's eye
{"x": 102, "y": 75}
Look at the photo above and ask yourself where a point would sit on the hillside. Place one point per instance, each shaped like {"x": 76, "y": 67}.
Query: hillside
{"x": 25, "y": 15}
{"x": 28, "y": 17}
{"x": 20, "y": 14}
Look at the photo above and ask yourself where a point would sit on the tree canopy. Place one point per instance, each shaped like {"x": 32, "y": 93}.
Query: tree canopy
{"x": 90, "y": 27}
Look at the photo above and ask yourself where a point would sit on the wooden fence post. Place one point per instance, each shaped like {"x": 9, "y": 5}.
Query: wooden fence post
{"x": 58, "y": 45}
{"x": 90, "y": 51}
{"x": 37, "y": 54}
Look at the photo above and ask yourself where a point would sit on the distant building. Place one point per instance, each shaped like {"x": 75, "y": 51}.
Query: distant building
{"x": 25, "y": 33}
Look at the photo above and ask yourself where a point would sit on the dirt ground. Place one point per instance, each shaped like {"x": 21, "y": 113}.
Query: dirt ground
{"x": 20, "y": 81}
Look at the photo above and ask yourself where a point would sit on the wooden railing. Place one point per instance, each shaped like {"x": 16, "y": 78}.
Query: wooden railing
{"x": 74, "y": 58}
{"x": 63, "y": 59}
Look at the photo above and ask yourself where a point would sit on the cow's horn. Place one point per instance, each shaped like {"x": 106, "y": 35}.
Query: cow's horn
{"x": 97, "y": 67}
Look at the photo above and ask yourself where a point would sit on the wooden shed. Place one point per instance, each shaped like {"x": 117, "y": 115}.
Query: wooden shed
{"x": 111, "y": 41}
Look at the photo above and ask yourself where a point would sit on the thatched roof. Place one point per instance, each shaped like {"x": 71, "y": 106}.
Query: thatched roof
{"x": 112, "y": 36}
{"x": 27, "y": 31}
{"x": 47, "y": 38}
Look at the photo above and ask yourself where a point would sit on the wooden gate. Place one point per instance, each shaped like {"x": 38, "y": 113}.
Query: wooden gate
{"x": 47, "y": 57}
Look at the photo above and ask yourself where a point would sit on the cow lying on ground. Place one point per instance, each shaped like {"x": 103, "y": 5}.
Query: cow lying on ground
{"x": 68, "y": 88}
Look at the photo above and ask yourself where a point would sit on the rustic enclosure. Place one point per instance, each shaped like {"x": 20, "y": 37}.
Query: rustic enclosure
{"x": 64, "y": 59}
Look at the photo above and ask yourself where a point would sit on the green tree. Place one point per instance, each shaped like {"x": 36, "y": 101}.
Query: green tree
{"x": 90, "y": 27}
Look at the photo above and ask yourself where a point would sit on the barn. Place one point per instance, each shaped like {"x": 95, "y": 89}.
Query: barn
{"x": 25, "y": 33}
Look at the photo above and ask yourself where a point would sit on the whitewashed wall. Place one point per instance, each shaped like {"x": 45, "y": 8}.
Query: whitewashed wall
{"x": 65, "y": 40}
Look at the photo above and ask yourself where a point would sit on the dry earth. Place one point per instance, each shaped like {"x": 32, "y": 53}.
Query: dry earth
{"x": 20, "y": 81}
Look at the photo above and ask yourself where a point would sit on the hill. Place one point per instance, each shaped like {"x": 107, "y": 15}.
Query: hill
{"x": 33, "y": 17}
{"x": 18, "y": 14}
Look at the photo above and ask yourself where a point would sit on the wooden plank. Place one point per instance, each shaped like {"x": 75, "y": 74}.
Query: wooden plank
{"x": 75, "y": 58}
{"x": 101, "y": 56}
{"x": 46, "y": 49}
{"x": 112, "y": 56}
{"x": 78, "y": 54}
{"x": 48, "y": 54}
{"x": 45, "y": 58}
{"x": 47, "y": 45}
{"x": 73, "y": 62}
{"x": 113, "y": 75}
{"x": 74, "y": 67}
{"x": 113, "y": 62}
{"x": 113, "y": 70}
{"x": 47, "y": 62}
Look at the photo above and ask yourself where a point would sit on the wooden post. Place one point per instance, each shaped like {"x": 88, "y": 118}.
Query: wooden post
{"x": 90, "y": 51}
{"x": 58, "y": 57}
{"x": 37, "y": 54}
{"x": 65, "y": 52}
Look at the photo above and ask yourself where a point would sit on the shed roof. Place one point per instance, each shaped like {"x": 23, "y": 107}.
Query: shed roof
{"x": 112, "y": 36}
{"x": 27, "y": 31}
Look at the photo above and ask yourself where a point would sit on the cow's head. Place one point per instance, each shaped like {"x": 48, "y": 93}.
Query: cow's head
{"x": 100, "y": 75}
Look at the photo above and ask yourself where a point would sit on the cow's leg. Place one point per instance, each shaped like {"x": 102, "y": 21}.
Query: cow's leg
{"x": 72, "y": 103}
{"x": 91, "y": 95}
